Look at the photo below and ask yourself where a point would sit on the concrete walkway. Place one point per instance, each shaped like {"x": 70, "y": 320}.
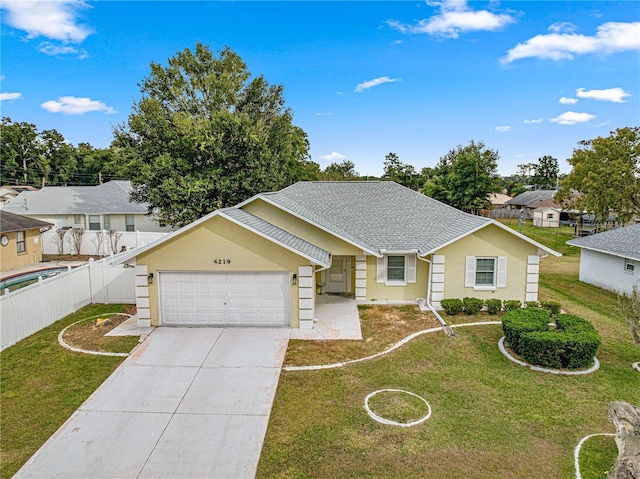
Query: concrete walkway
{"x": 188, "y": 403}
{"x": 337, "y": 317}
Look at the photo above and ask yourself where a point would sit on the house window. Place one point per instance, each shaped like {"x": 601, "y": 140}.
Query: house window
{"x": 485, "y": 271}
{"x": 395, "y": 268}
{"x": 549, "y": 216}
{"x": 78, "y": 221}
{"x": 629, "y": 266}
{"x": 20, "y": 243}
{"x": 161, "y": 223}
{"x": 106, "y": 222}
{"x": 94, "y": 222}
{"x": 129, "y": 223}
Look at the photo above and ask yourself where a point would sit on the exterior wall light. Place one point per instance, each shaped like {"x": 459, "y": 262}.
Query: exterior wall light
{"x": 295, "y": 279}
{"x": 150, "y": 278}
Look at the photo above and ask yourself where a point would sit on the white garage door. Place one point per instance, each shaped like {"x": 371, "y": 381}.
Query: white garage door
{"x": 224, "y": 299}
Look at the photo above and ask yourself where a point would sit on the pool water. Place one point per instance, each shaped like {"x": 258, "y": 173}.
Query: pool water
{"x": 22, "y": 280}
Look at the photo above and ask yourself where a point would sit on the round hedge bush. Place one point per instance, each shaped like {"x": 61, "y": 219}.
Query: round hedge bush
{"x": 572, "y": 344}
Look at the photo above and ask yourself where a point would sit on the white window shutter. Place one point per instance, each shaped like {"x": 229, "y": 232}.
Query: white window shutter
{"x": 502, "y": 272}
{"x": 381, "y": 273}
{"x": 470, "y": 272}
{"x": 411, "y": 268}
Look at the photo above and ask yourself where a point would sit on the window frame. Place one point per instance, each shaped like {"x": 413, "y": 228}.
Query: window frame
{"x": 21, "y": 244}
{"x": 127, "y": 225}
{"x": 106, "y": 222}
{"x": 629, "y": 266}
{"x": 398, "y": 281}
{"x": 494, "y": 273}
{"x": 92, "y": 223}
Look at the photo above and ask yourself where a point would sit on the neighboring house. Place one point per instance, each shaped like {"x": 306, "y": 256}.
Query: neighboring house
{"x": 264, "y": 261}
{"x": 530, "y": 200}
{"x": 20, "y": 242}
{"x": 611, "y": 260}
{"x": 547, "y": 216}
{"x": 499, "y": 200}
{"x": 102, "y": 207}
{"x": 8, "y": 192}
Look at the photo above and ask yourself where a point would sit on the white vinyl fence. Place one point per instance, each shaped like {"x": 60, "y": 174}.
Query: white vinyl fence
{"x": 96, "y": 243}
{"x": 34, "y": 307}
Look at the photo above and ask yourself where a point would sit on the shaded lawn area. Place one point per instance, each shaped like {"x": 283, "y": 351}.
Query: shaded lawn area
{"x": 491, "y": 418}
{"x": 42, "y": 384}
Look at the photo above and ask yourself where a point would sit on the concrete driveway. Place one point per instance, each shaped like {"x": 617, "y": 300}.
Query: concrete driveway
{"x": 189, "y": 402}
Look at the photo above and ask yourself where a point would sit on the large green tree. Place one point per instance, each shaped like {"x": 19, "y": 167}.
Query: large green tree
{"x": 343, "y": 171}
{"x": 605, "y": 176}
{"x": 546, "y": 171}
{"x": 402, "y": 173}
{"x": 465, "y": 177}
{"x": 205, "y": 135}
{"x": 22, "y": 158}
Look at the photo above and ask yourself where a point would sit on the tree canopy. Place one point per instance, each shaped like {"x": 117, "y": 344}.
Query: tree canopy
{"x": 465, "y": 177}
{"x": 204, "y": 136}
{"x": 605, "y": 176}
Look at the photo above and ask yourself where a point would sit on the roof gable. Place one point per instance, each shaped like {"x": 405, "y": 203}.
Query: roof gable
{"x": 11, "y": 222}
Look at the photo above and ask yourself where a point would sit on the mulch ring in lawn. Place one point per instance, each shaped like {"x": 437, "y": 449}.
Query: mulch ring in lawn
{"x": 90, "y": 336}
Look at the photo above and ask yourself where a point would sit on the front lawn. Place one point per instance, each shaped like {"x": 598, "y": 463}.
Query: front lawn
{"x": 42, "y": 384}
{"x": 491, "y": 418}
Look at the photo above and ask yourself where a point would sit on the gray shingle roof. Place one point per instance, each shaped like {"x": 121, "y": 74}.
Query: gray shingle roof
{"x": 377, "y": 215}
{"x": 11, "y": 222}
{"x": 623, "y": 242}
{"x": 109, "y": 198}
{"x": 279, "y": 235}
{"x": 531, "y": 198}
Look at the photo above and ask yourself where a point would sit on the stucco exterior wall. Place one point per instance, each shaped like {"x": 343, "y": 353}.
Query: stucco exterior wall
{"x": 410, "y": 292}
{"x": 301, "y": 228}
{"x": 219, "y": 238}
{"x": 607, "y": 271}
{"x": 490, "y": 241}
{"x": 9, "y": 256}
{"x": 116, "y": 222}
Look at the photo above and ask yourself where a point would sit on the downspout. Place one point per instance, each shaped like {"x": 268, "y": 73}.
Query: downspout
{"x": 448, "y": 331}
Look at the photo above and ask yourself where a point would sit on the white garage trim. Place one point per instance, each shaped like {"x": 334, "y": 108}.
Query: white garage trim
{"x": 206, "y": 298}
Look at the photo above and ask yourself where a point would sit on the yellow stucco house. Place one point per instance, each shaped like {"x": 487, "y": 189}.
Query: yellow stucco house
{"x": 264, "y": 261}
{"x": 20, "y": 242}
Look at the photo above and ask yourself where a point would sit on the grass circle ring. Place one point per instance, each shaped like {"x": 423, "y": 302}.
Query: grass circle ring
{"x": 389, "y": 422}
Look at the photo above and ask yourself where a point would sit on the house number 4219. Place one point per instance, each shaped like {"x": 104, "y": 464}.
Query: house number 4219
{"x": 221, "y": 261}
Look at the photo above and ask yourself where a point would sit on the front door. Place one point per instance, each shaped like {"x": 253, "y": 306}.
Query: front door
{"x": 337, "y": 275}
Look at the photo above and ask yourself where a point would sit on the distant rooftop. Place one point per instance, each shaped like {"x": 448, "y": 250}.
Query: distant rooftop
{"x": 624, "y": 242}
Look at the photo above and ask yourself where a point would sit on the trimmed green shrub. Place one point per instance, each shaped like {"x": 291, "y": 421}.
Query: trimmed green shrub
{"x": 472, "y": 305}
{"x": 452, "y": 306}
{"x": 493, "y": 305}
{"x": 512, "y": 304}
{"x": 572, "y": 344}
{"x": 532, "y": 304}
{"x": 519, "y": 321}
{"x": 552, "y": 306}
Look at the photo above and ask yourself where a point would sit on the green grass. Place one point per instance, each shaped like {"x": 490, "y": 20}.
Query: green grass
{"x": 554, "y": 238}
{"x": 42, "y": 384}
{"x": 491, "y": 418}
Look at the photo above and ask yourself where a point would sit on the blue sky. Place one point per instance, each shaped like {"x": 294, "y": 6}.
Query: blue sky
{"x": 362, "y": 78}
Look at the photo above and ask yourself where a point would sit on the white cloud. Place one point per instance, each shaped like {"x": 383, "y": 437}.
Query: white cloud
{"x": 375, "y": 82}
{"x": 71, "y": 105}
{"x": 333, "y": 156}
{"x": 57, "y": 20}
{"x": 615, "y": 95}
{"x": 568, "y": 101}
{"x": 329, "y": 113}
{"x": 562, "y": 27}
{"x": 533, "y": 122}
{"x": 52, "y": 50}
{"x": 503, "y": 129}
{"x": 611, "y": 37}
{"x": 10, "y": 96}
{"x": 572, "y": 118}
{"x": 455, "y": 17}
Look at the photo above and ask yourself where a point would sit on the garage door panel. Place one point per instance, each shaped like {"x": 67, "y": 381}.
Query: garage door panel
{"x": 224, "y": 298}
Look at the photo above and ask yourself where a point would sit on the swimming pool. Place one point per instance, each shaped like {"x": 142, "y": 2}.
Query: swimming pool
{"x": 25, "y": 279}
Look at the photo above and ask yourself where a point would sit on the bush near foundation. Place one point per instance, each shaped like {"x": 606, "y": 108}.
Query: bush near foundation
{"x": 452, "y": 306}
{"x": 512, "y": 304}
{"x": 472, "y": 305}
{"x": 493, "y": 305}
{"x": 553, "y": 306}
{"x": 572, "y": 344}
